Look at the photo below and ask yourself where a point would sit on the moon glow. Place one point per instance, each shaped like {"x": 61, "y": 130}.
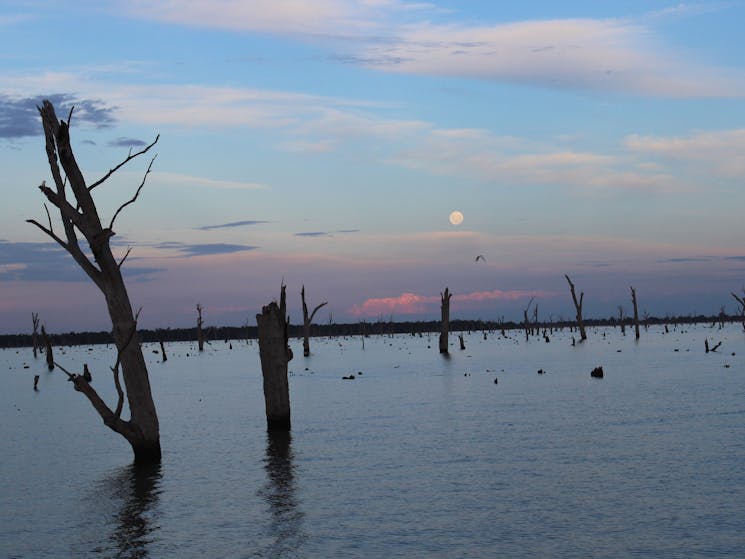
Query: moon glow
{"x": 456, "y": 217}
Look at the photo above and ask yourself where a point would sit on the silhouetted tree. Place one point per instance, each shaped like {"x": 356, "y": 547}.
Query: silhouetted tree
{"x": 35, "y": 334}
{"x": 636, "y": 313}
{"x": 80, "y": 215}
{"x": 526, "y": 320}
{"x": 47, "y": 348}
{"x": 621, "y": 320}
{"x": 200, "y": 333}
{"x": 307, "y": 320}
{"x": 741, "y": 302}
{"x": 578, "y": 308}
{"x": 445, "y": 319}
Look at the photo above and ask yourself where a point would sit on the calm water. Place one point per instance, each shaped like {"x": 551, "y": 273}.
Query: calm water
{"x": 419, "y": 456}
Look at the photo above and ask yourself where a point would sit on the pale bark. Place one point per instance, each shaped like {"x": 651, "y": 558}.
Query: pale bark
{"x": 275, "y": 353}
{"x": 80, "y": 215}
{"x": 578, "y": 308}
{"x": 307, "y": 320}
{"x": 445, "y": 319}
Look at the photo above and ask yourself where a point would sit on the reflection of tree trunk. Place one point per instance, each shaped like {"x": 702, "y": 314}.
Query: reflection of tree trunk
{"x": 138, "y": 488}
{"x": 445, "y": 323}
{"x": 286, "y": 525}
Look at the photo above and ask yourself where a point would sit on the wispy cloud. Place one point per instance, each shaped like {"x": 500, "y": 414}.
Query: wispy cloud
{"x": 126, "y": 143}
{"x": 232, "y": 224}
{"x": 203, "y": 249}
{"x": 313, "y": 234}
{"x": 203, "y": 182}
{"x": 622, "y": 55}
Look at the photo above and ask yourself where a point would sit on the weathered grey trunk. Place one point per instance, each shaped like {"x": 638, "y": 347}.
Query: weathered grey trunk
{"x": 47, "y": 348}
{"x": 636, "y": 313}
{"x": 578, "y": 308}
{"x": 275, "y": 353}
{"x": 81, "y": 215}
{"x": 445, "y": 319}
{"x": 307, "y": 320}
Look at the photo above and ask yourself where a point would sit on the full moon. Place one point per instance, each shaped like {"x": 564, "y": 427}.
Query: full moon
{"x": 456, "y": 217}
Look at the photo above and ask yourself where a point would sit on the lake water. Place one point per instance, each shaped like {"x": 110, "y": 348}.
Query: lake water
{"x": 419, "y": 456}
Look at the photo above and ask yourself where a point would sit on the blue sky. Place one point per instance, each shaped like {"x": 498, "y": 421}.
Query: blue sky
{"x": 326, "y": 143}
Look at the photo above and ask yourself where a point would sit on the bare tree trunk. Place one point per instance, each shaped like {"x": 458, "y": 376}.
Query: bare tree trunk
{"x": 445, "y": 320}
{"x": 275, "y": 353}
{"x": 35, "y": 334}
{"x": 636, "y": 313}
{"x": 621, "y": 320}
{"x": 741, "y": 301}
{"x": 200, "y": 334}
{"x": 462, "y": 342}
{"x": 47, "y": 348}
{"x": 307, "y": 321}
{"x": 163, "y": 350}
{"x": 526, "y": 321}
{"x": 81, "y": 215}
{"x": 578, "y": 308}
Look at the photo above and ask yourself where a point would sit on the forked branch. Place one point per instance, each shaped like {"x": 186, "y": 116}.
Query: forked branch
{"x": 129, "y": 158}
{"x": 137, "y": 193}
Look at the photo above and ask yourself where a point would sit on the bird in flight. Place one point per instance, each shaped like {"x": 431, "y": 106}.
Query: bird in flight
{"x": 480, "y": 257}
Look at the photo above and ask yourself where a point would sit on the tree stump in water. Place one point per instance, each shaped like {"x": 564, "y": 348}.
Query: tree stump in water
{"x": 445, "y": 323}
{"x": 47, "y": 348}
{"x": 275, "y": 354}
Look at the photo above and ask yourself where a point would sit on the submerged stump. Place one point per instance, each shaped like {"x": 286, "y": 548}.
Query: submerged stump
{"x": 275, "y": 354}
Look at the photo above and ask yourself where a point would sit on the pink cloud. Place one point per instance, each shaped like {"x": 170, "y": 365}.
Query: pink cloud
{"x": 411, "y": 303}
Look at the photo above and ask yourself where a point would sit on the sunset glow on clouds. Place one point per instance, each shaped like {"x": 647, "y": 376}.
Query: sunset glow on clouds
{"x": 412, "y": 304}
{"x": 327, "y": 144}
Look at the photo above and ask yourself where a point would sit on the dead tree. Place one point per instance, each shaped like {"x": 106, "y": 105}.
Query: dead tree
{"x": 275, "y": 353}
{"x": 622, "y": 320}
{"x": 200, "y": 334}
{"x": 636, "y": 313}
{"x": 526, "y": 320}
{"x": 445, "y": 319}
{"x": 578, "y": 308}
{"x": 163, "y": 350}
{"x": 35, "y": 334}
{"x": 307, "y": 320}
{"x": 47, "y": 348}
{"x": 741, "y": 302}
{"x": 79, "y": 215}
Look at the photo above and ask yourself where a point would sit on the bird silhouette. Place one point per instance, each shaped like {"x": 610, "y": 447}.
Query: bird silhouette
{"x": 480, "y": 257}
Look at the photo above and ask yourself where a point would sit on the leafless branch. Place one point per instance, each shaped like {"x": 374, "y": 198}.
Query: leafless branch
{"x": 124, "y": 258}
{"x": 134, "y": 198}
{"x": 129, "y": 157}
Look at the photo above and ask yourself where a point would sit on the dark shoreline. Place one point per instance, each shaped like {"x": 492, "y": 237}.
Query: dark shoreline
{"x": 353, "y": 329}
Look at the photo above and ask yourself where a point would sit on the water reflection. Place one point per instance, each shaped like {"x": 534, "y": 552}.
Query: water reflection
{"x": 285, "y": 527}
{"x": 137, "y": 489}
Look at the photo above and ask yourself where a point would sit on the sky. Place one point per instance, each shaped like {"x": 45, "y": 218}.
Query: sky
{"x": 326, "y": 144}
